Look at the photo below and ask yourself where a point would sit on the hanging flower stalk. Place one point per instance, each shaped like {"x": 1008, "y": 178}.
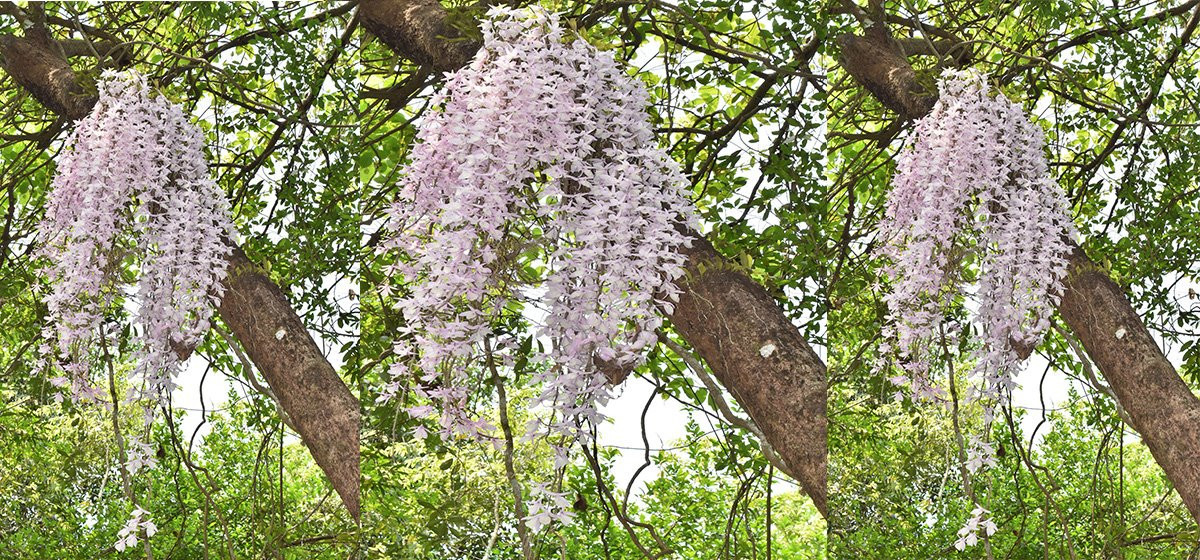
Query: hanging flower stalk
{"x": 975, "y": 186}
{"x": 133, "y": 188}
{"x": 539, "y": 153}
{"x": 132, "y": 192}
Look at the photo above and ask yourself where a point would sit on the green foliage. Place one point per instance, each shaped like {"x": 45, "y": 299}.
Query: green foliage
{"x": 310, "y": 119}
{"x": 1077, "y": 491}
{"x": 422, "y": 499}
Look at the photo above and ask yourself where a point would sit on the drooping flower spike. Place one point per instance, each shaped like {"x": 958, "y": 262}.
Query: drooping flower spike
{"x": 132, "y": 190}
{"x": 540, "y": 151}
{"x": 975, "y": 180}
{"x": 133, "y": 186}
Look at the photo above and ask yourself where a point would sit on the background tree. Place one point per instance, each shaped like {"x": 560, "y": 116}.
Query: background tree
{"x": 785, "y": 117}
{"x": 1120, "y": 142}
{"x": 300, "y": 120}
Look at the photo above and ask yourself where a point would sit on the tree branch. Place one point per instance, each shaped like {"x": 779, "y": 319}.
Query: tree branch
{"x": 322, "y": 409}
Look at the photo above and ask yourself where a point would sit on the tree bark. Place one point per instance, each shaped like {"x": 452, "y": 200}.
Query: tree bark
{"x": 722, "y": 313}
{"x": 758, "y": 354}
{"x": 309, "y": 390}
{"x": 37, "y": 65}
{"x": 320, "y": 406}
{"x": 1161, "y": 406}
{"x": 875, "y": 62}
{"x": 418, "y": 30}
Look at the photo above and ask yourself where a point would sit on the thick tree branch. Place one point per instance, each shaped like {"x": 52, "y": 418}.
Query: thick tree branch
{"x": 418, "y": 30}
{"x": 726, "y": 317}
{"x": 879, "y": 65}
{"x": 318, "y": 403}
{"x": 323, "y": 410}
{"x": 756, "y": 352}
{"x": 1159, "y": 404}
{"x": 37, "y": 63}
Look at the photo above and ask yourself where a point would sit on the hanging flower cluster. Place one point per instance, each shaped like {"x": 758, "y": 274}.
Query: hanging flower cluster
{"x": 974, "y": 187}
{"x": 975, "y": 182}
{"x": 127, "y": 537}
{"x": 540, "y": 154}
{"x": 979, "y": 522}
{"x": 133, "y": 188}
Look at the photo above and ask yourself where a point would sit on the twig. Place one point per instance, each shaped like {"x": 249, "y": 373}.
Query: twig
{"x": 248, "y": 370}
{"x": 509, "y": 471}
{"x": 1091, "y": 373}
{"x": 122, "y": 456}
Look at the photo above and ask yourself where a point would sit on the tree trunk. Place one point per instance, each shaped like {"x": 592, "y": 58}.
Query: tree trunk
{"x": 309, "y": 390}
{"x": 874, "y": 62}
{"x": 1161, "y": 406}
{"x": 723, "y": 314}
{"x": 758, "y": 354}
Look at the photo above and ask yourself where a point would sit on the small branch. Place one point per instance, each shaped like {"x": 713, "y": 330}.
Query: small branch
{"x": 248, "y": 374}
{"x": 491, "y": 543}
{"x": 397, "y": 96}
{"x": 1091, "y": 373}
{"x": 122, "y": 456}
{"x": 509, "y": 471}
